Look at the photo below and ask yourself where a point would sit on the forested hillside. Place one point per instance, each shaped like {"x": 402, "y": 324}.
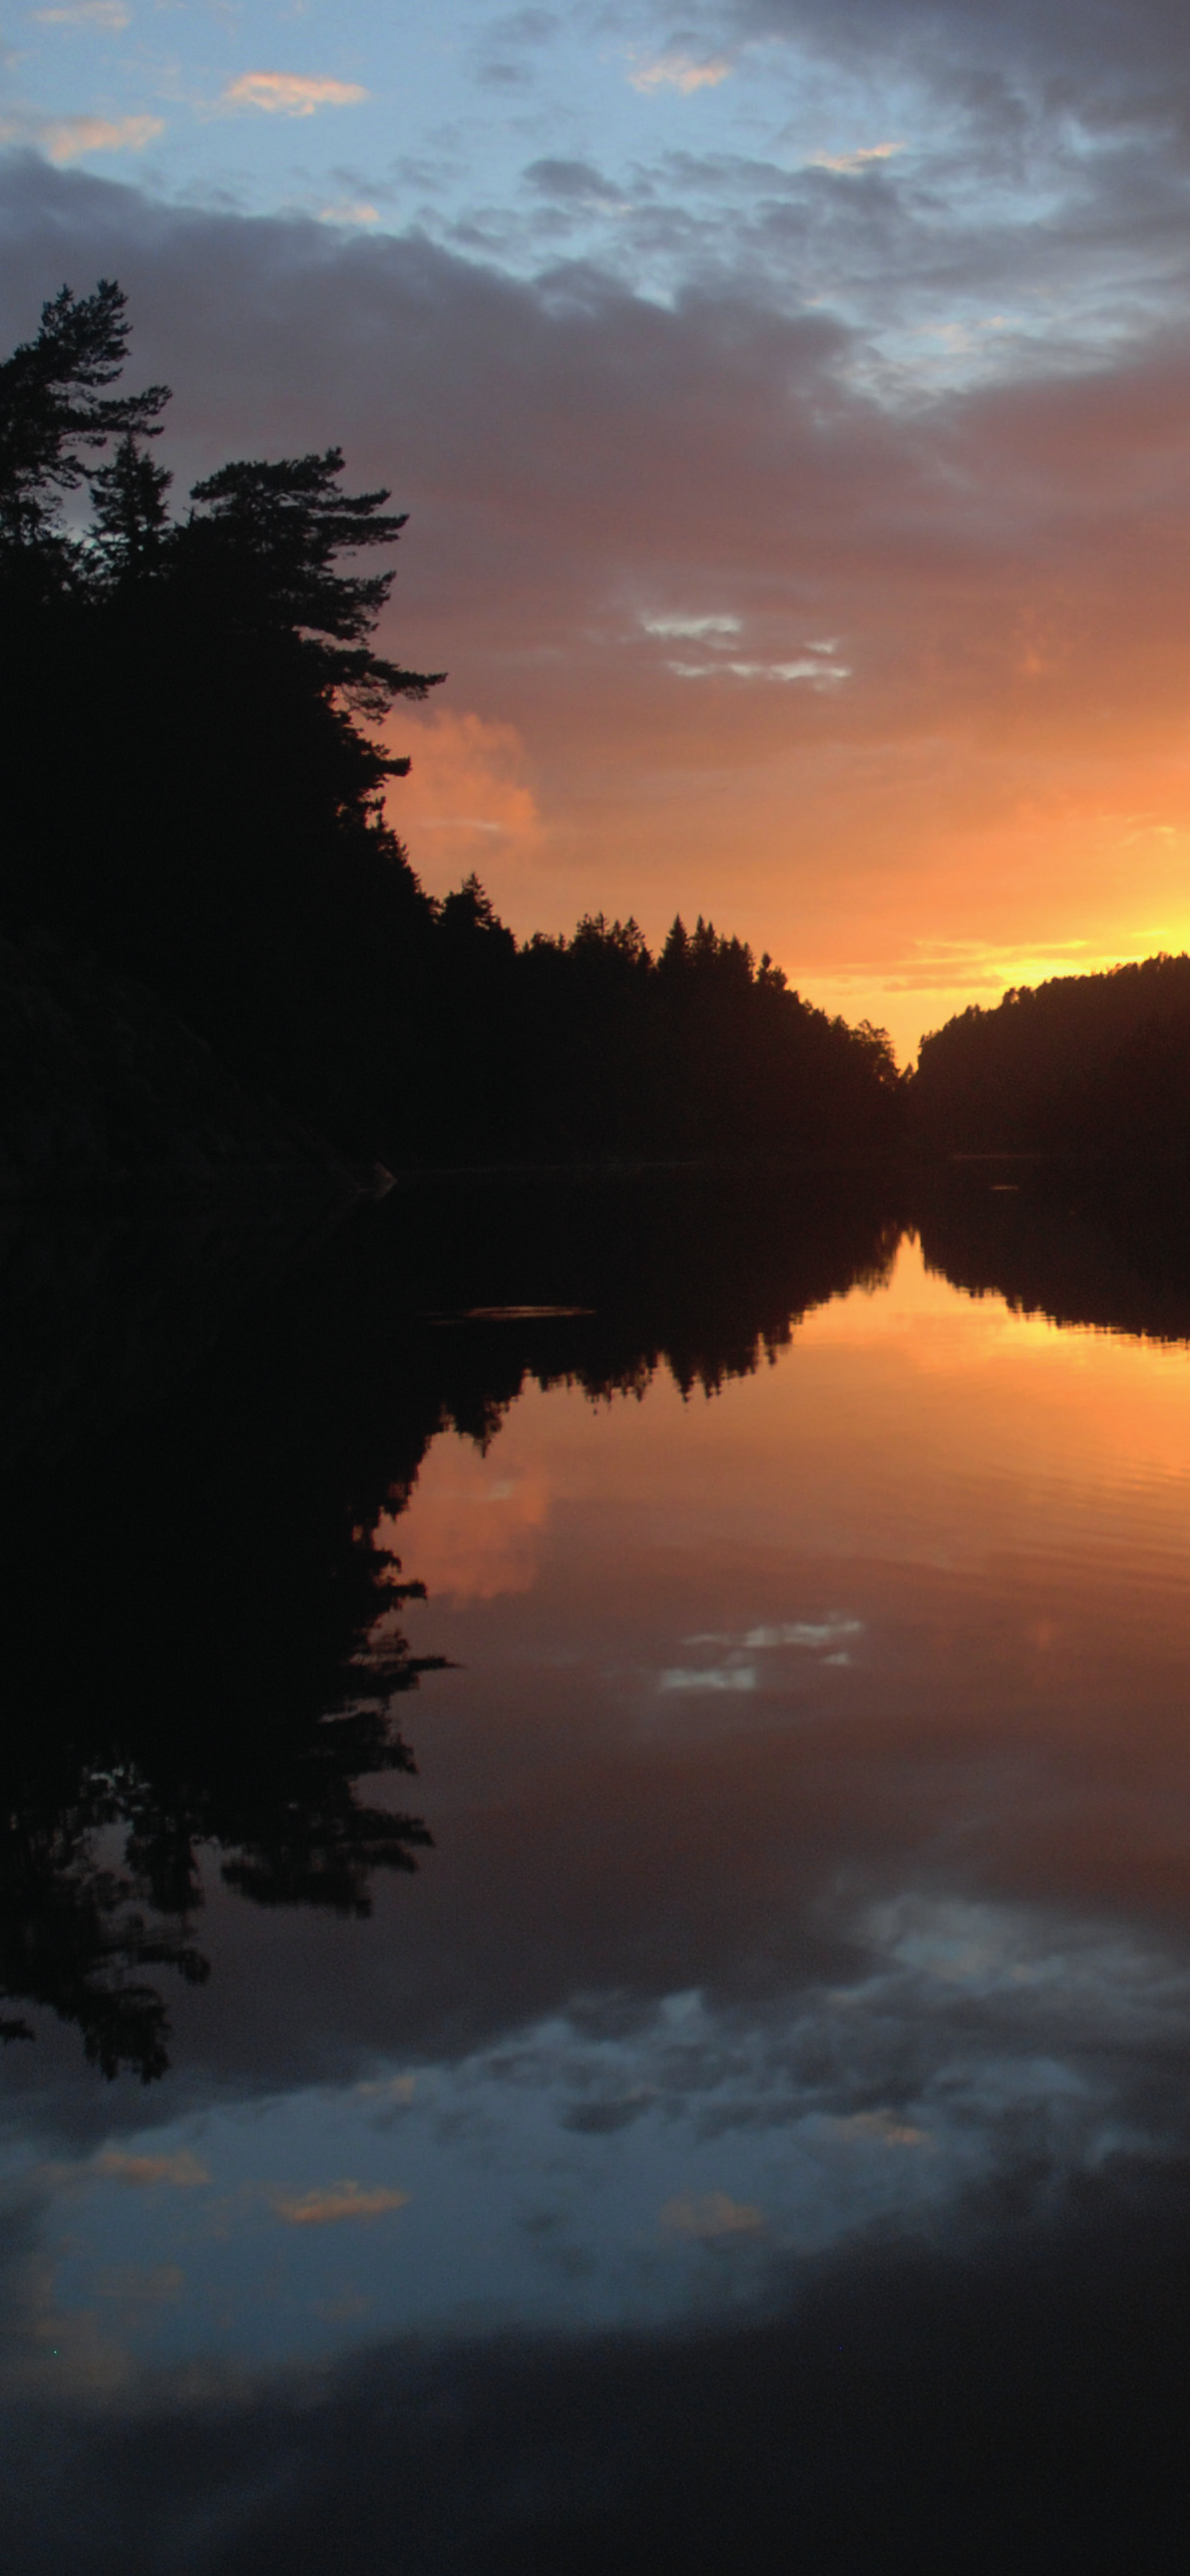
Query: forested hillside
{"x": 193, "y": 798}
{"x": 1094, "y": 1064}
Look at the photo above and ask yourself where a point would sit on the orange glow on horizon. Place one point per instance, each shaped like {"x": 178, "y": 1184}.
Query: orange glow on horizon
{"x": 1028, "y": 896}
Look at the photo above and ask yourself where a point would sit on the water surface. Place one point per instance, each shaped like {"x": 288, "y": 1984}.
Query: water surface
{"x": 731, "y": 2101}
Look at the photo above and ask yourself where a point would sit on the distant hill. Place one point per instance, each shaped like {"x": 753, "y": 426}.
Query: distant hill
{"x": 1095, "y": 1064}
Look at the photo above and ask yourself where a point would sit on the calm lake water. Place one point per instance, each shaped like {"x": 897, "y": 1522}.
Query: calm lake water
{"x": 755, "y": 2133}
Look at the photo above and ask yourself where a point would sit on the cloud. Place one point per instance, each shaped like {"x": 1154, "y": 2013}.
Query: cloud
{"x": 940, "y": 2372}
{"x": 716, "y": 634}
{"x": 678, "y": 71}
{"x": 699, "y": 630}
{"x": 732, "y": 1676}
{"x": 1106, "y": 56}
{"x": 825, "y": 1637}
{"x": 111, "y": 15}
{"x": 71, "y": 138}
{"x": 141, "y": 2285}
{"x": 467, "y": 797}
{"x": 183, "y": 2172}
{"x": 576, "y": 181}
{"x": 391, "y": 2089}
{"x": 290, "y": 93}
{"x": 882, "y": 2129}
{"x": 1000, "y": 557}
{"x": 821, "y": 674}
{"x": 710, "y": 2215}
{"x": 813, "y": 1633}
{"x": 848, "y": 163}
{"x": 354, "y": 211}
{"x": 338, "y": 2201}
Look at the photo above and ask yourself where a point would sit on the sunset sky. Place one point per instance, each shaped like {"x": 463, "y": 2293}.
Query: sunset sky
{"x": 791, "y": 402}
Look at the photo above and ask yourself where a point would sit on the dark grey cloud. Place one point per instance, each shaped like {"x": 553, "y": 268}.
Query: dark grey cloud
{"x": 536, "y": 430}
{"x": 984, "y": 508}
{"x": 1083, "y": 48}
{"x": 1077, "y": 107}
{"x": 508, "y": 48}
{"x": 572, "y": 179}
{"x": 577, "y": 456}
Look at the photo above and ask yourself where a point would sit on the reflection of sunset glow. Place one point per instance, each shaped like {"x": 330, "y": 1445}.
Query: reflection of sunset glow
{"x": 811, "y": 1844}
{"x": 477, "y": 1529}
{"x": 1022, "y": 1434}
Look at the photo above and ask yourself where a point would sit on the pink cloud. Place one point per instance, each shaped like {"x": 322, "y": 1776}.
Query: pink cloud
{"x": 290, "y": 93}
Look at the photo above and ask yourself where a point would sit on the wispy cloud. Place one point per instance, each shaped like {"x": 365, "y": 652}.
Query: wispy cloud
{"x": 678, "y": 71}
{"x": 850, "y": 162}
{"x": 339, "y": 2200}
{"x": 731, "y": 1676}
{"x": 111, "y": 15}
{"x": 813, "y": 662}
{"x": 358, "y": 212}
{"x": 827, "y": 1638}
{"x": 695, "y": 630}
{"x": 814, "y": 1633}
{"x": 821, "y": 673}
{"x": 716, "y": 458}
{"x": 70, "y": 138}
{"x": 290, "y": 93}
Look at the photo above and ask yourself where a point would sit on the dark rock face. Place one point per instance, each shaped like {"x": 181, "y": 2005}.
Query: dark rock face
{"x": 101, "y": 1087}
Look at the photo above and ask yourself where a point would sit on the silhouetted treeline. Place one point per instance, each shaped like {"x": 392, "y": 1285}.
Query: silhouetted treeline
{"x": 192, "y": 795}
{"x": 1090, "y": 1064}
{"x": 203, "y": 1640}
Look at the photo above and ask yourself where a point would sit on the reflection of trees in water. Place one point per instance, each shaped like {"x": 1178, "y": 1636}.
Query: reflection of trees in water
{"x": 73, "y": 1933}
{"x": 1107, "y": 1247}
{"x": 79, "y": 1930}
{"x": 201, "y": 1647}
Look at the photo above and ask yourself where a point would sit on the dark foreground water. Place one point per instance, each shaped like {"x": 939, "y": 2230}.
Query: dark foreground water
{"x": 729, "y": 2107}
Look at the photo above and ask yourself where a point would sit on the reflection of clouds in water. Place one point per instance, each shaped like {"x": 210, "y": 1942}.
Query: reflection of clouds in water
{"x": 183, "y": 2171}
{"x": 711, "y": 2214}
{"x": 1008, "y": 1954}
{"x": 731, "y": 1676}
{"x": 341, "y": 2200}
{"x": 813, "y": 1633}
{"x": 882, "y": 2126}
{"x": 621, "y": 2162}
{"x": 825, "y": 1638}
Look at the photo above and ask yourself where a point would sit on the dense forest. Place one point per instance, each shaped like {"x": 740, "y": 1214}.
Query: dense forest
{"x": 1090, "y": 1064}
{"x": 194, "y": 800}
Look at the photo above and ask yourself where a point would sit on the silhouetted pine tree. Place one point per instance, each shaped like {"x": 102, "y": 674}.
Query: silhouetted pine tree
{"x": 194, "y": 792}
